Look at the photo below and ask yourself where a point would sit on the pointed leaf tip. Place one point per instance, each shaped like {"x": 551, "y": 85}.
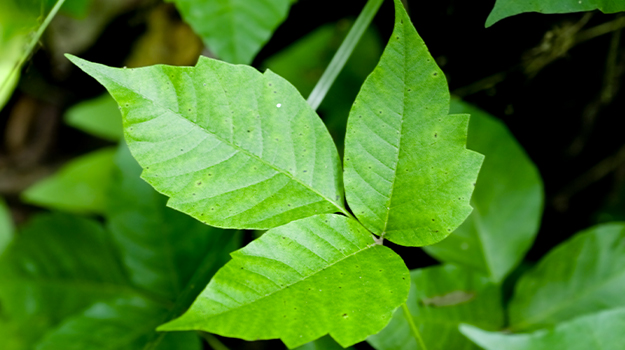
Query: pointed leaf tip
{"x": 318, "y": 275}
{"x": 408, "y": 175}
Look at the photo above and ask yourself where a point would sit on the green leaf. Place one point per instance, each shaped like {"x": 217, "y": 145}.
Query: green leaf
{"x": 79, "y": 186}
{"x": 583, "y": 275}
{"x": 323, "y": 343}
{"x": 298, "y": 282}
{"x": 235, "y": 30}
{"x": 6, "y": 226}
{"x": 507, "y": 8}
{"x": 599, "y": 331}
{"x": 58, "y": 265}
{"x": 441, "y": 298}
{"x": 408, "y": 176}
{"x": 161, "y": 247}
{"x": 122, "y": 323}
{"x": 99, "y": 116}
{"x": 507, "y": 201}
{"x": 232, "y": 147}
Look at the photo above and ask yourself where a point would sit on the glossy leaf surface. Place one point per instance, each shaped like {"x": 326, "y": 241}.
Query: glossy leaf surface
{"x": 507, "y": 8}
{"x": 599, "y": 331}
{"x": 507, "y": 202}
{"x": 300, "y": 281}
{"x": 408, "y": 175}
{"x": 235, "y": 30}
{"x": 232, "y": 147}
{"x": 79, "y": 186}
{"x": 440, "y": 299}
{"x": 582, "y": 275}
{"x": 99, "y": 116}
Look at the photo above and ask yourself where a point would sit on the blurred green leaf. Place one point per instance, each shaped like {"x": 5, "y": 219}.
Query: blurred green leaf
{"x": 121, "y": 324}
{"x": 205, "y": 145}
{"x": 408, "y": 175}
{"x": 99, "y": 116}
{"x": 507, "y": 8}
{"x": 79, "y": 186}
{"x": 441, "y": 298}
{"x": 290, "y": 274}
{"x": 58, "y": 265}
{"x": 162, "y": 247}
{"x": 76, "y": 8}
{"x": 507, "y": 202}
{"x": 6, "y": 226}
{"x": 235, "y": 30}
{"x": 21, "y": 24}
{"x": 582, "y": 275}
{"x": 599, "y": 331}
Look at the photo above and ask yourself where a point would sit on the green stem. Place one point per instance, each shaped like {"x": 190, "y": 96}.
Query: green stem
{"x": 343, "y": 53}
{"x": 413, "y": 327}
{"x": 33, "y": 42}
{"x": 212, "y": 340}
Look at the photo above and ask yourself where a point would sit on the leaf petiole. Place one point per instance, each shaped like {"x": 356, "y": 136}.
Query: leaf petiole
{"x": 413, "y": 327}
{"x": 343, "y": 53}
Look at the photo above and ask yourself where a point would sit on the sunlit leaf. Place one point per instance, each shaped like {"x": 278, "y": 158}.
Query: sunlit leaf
{"x": 79, "y": 186}
{"x": 440, "y": 299}
{"x": 234, "y": 30}
{"x": 582, "y": 275}
{"x": 507, "y": 8}
{"x": 507, "y": 202}
{"x": 599, "y": 331}
{"x": 408, "y": 175}
{"x": 298, "y": 282}
{"x": 232, "y": 147}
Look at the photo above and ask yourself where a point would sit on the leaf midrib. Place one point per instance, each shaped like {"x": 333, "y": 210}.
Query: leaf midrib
{"x": 373, "y": 245}
{"x": 248, "y": 153}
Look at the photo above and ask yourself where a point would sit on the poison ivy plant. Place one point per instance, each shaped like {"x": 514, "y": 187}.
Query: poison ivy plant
{"x": 234, "y": 30}
{"x": 99, "y": 116}
{"x": 79, "y": 186}
{"x": 599, "y": 331}
{"x": 6, "y": 226}
{"x": 441, "y": 298}
{"x": 402, "y": 149}
{"x": 507, "y": 8}
{"x": 507, "y": 202}
{"x": 580, "y": 276}
{"x": 236, "y": 148}
{"x": 213, "y": 140}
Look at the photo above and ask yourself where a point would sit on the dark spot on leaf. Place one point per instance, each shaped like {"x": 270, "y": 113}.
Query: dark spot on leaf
{"x": 435, "y": 135}
{"x": 305, "y": 171}
{"x": 345, "y": 315}
{"x": 434, "y": 74}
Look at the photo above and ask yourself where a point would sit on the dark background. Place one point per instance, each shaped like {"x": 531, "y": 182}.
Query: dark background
{"x": 550, "y": 78}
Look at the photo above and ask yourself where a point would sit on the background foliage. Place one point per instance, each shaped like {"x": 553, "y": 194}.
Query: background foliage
{"x": 110, "y": 254}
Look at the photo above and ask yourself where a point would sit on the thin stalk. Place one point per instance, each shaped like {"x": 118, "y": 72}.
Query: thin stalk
{"x": 413, "y": 327}
{"x": 213, "y": 342}
{"x": 33, "y": 42}
{"x": 343, "y": 53}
